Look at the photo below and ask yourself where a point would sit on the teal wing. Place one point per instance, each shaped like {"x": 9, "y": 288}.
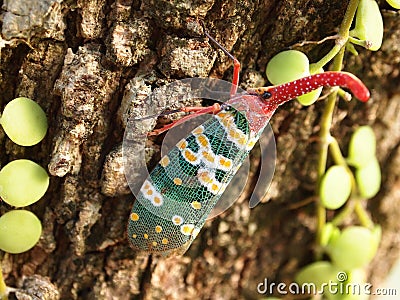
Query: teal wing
{"x": 176, "y": 198}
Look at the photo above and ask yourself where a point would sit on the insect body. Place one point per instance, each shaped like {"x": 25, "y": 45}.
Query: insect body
{"x": 180, "y": 192}
{"x": 176, "y": 198}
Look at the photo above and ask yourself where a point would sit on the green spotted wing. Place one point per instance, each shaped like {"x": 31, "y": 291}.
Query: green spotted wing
{"x": 176, "y": 198}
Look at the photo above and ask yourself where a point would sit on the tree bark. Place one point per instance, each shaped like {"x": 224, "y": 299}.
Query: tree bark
{"x": 90, "y": 64}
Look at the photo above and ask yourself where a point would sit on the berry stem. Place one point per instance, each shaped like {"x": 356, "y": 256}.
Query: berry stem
{"x": 337, "y": 53}
{"x": 342, "y": 39}
{"x": 343, "y": 214}
{"x": 358, "y": 42}
{"x": 354, "y": 205}
{"x": 327, "y": 58}
{"x": 363, "y": 215}
{"x": 336, "y": 153}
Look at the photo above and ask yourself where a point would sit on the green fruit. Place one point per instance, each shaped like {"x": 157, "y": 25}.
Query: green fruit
{"x": 335, "y": 187}
{"x": 24, "y": 121}
{"x": 362, "y": 147}
{"x": 287, "y": 66}
{"x": 369, "y": 24}
{"x": 317, "y": 273}
{"x": 394, "y": 3}
{"x": 22, "y": 182}
{"x": 20, "y": 230}
{"x": 368, "y": 179}
{"x": 353, "y": 249}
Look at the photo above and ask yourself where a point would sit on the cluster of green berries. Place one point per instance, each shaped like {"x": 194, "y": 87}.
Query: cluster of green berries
{"x": 351, "y": 248}
{"x": 22, "y": 181}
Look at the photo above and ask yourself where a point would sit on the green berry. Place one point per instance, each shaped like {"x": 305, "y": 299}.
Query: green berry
{"x": 287, "y": 66}
{"x": 318, "y": 273}
{"x": 369, "y": 24}
{"x": 368, "y": 179}
{"x": 353, "y": 249}
{"x": 362, "y": 147}
{"x": 24, "y": 121}
{"x": 20, "y": 230}
{"x": 394, "y": 3}
{"x": 22, "y": 182}
{"x": 335, "y": 187}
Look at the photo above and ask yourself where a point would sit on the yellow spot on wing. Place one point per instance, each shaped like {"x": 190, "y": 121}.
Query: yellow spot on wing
{"x": 164, "y": 161}
{"x": 146, "y": 236}
{"x": 164, "y": 241}
{"x": 189, "y": 156}
{"x": 232, "y": 133}
{"x": 157, "y": 201}
{"x": 227, "y": 122}
{"x": 209, "y": 156}
{"x": 187, "y": 229}
{"x": 225, "y": 162}
{"x": 134, "y": 216}
{"x": 177, "y": 181}
{"x": 203, "y": 141}
{"x": 242, "y": 140}
{"x": 182, "y": 144}
{"x": 158, "y": 228}
{"x": 205, "y": 177}
{"x": 222, "y": 115}
{"x": 154, "y": 244}
{"x": 134, "y": 236}
{"x": 214, "y": 187}
{"x": 177, "y": 220}
{"x": 196, "y": 204}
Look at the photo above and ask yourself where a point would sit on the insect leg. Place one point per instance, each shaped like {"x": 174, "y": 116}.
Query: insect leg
{"x": 197, "y": 111}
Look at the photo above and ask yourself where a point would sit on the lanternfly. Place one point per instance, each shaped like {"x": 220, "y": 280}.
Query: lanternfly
{"x": 183, "y": 188}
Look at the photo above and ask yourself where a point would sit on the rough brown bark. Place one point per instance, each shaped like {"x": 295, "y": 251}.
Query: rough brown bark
{"x": 84, "y": 62}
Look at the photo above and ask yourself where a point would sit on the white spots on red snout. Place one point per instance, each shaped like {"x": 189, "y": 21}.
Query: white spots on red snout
{"x": 304, "y": 85}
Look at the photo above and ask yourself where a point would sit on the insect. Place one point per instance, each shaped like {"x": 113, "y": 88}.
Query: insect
{"x": 178, "y": 195}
